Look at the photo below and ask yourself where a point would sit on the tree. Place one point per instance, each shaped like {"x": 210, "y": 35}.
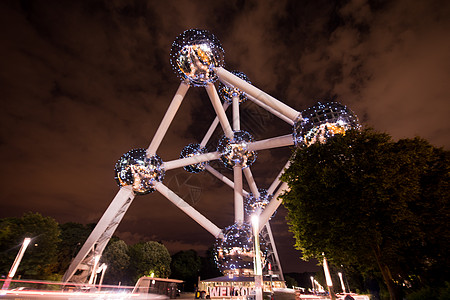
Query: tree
{"x": 186, "y": 266}
{"x": 73, "y": 236}
{"x": 117, "y": 259}
{"x": 290, "y": 282}
{"x": 40, "y": 258}
{"x": 149, "y": 258}
{"x": 209, "y": 267}
{"x": 372, "y": 203}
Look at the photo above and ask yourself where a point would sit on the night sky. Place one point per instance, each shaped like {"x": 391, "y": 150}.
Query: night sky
{"x": 83, "y": 82}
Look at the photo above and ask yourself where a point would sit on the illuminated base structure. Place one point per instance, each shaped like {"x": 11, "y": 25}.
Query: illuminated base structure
{"x": 237, "y": 287}
{"x": 197, "y": 56}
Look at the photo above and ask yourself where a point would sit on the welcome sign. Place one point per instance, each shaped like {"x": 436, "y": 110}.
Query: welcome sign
{"x": 230, "y": 291}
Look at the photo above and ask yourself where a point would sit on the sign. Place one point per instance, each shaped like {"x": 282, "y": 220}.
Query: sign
{"x": 230, "y": 291}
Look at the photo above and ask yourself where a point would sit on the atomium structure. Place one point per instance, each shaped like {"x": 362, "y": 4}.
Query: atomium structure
{"x": 197, "y": 57}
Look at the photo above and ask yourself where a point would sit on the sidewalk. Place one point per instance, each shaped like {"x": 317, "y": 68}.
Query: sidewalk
{"x": 189, "y": 296}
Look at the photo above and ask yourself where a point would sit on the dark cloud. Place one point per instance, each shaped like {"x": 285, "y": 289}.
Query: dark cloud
{"x": 83, "y": 82}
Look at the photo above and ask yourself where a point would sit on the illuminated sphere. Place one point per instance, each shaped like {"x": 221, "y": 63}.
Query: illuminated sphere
{"x": 234, "y": 252}
{"x": 227, "y": 92}
{"x": 194, "y": 55}
{"x": 234, "y": 152}
{"x": 322, "y": 121}
{"x": 134, "y": 168}
{"x": 192, "y": 150}
{"x": 254, "y": 204}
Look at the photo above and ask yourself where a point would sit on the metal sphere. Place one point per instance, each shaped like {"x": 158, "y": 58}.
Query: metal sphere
{"x": 136, "y": 169}
{"x": 234, "y": 252}
{"x": 194, "y": 55}
{"x": 192, "y": 150}
{"x": 234, "y": 152}
{"x": 227, "y": 92}
{"x": 254, "y": 204}
{"x": 322, "y": 121}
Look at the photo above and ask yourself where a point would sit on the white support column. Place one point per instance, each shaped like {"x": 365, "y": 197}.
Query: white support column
{"x": 223, "y": 178}
{"x": 251, "y": 182}
{"x": 238, "y": 198}
{"x": 168, "y": 117}
{"x": 276, "y": 142}
{"x": 277, "y": 180}
{"x": 215, "y": 100}
{"x": 189, "y": 210}
{"x": 99, "y": 237}
{"x": 271, "y": 110}
{"x": 275, "y": 252}
{"x": 265, "y": 98}
{"x": 272, "y": 206}
{"x": 212, "y": 127}
{"x": 236, "y": 120}
{"x": 195, "y": 159}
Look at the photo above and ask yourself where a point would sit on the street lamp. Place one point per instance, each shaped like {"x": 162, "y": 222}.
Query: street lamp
{"x": 257, "y": 258}
{"x": 312, "y": 284}
{"x": 16, "y": 263}
{"x": 328, "y": 277}
{"x": 94, "y": 269}
{"x": 342, "y": 282}
{"x": 102, "y": 269}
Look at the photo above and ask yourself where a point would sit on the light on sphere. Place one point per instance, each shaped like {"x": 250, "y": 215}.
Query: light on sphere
{"x": 234, "y": 151}
{"x": 194, "y": 55}
{"x": 322, "y": 121}
{"x": 253, "y": 204}
{"x": 192, "y": 150}
{"x": 227, "y": 92}
{"x": 134, "y": 168}
{"x": 234, "y": 252}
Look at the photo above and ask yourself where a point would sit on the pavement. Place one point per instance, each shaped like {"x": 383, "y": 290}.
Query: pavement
{"x": 189, "y": 296}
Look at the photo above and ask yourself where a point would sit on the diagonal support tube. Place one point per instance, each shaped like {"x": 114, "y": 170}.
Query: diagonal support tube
{"x": 223, "y": 178}
{"x": 111, "y": 217}
{"x": 277, "y": 180}
{"x": 195, "y": 159}
{"x": 276, "y": 142}
{"x": 272, "y": 206}
{"x": 265, "y": 98}
{"x": 212, "y": 127}
{"x": 238, "y": 197}
{"x": 251, "y": 182}
{"x": 189, "y": 210}
{"x": 215, "y": 100}
{"x": 168, "y": 117}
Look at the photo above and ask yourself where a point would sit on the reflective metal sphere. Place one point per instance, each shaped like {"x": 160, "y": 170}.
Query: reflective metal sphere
{"x": 234, "y": 252}
{"x": 194, "y": 55}
{"x": 227, "y": 92}
{"x": 192, "y": 150}
{"x": 322, "y": 121}
{"x": 234, "y": 151}
{"x": 254, "y": 204}
{"x": 136, "y": 169}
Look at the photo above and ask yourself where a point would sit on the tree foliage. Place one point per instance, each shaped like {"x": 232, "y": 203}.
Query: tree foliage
{"x": 40, "y": 259}
{"x": 117, "y": 259}
{"x": 149, "y": 258}
{"x": 73, "y": 235}
{"x": 209, "y": 267}
{"x": 186, "y": 266}
{"x": 370, "y": 202}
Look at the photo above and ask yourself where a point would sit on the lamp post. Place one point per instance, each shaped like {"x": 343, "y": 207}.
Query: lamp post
{"x": 94, "y": 269}
{"x": 16, "y": 263}
{"x": 328, "y": 278}
{"x": 342, "y": 282}
{"x": 257, "y": 259}
{"x": 312, "y": 284}
{"x": 102, "y": 269}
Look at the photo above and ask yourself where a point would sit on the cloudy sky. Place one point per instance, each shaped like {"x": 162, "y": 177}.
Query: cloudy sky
{"x": 83, "y": 82}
